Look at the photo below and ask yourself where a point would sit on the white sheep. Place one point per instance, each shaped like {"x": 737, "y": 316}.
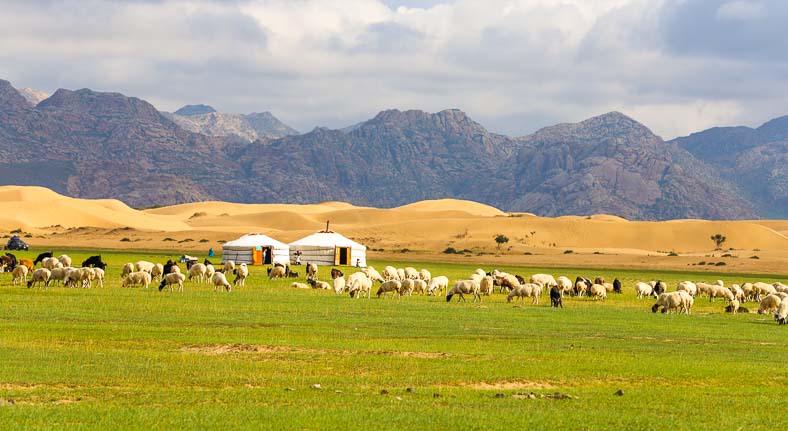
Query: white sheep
{"x": 546, "y": 280}
{"x": 390, "y": 273}
{"x": 425, "y": 275}
{"x": 127, "y": 269}
{"x": 407, "y": 287}
{"x": 439, "y": 283}
{"x": 276, "y": 272}
{"x": 372, "y": 274}
{"x": 317, "y": 284}
{"x": 527, "y": 290}
{"x": 144, "y": 265}
{"x": 98, "y": 275}
{"x": 49, "y": 263}
{"x": 389, "y": 286}
{"x": 507, "y": 281}
{"x": 298, "y": 285}
{"x": 643, "y": 289}
{"x": 241, "y": 272}
{"x": 671, "y": 301}
{"x": 564, "y": 285}
{"x": 480, "y": 272}
{"x": 486, "y": 285}
{"x": 419, "y": 286}
{"x": 718, "y": 291}
{"x": 20, "y": 274}
{"x": 219, "y": 280}
{"x": 311, "y": 271}
{"x": 769, "y": 304}
{"x": 688, "y": 287}
{"x": 65, "y": 260}
{"x": 464, "y": 287}
{"x": 749, "y": 291}
{"x": 581, "y": 287}
{"x": 597, "y": 291}
{"x": 209, "y": 271}
{"x": 359, "y": 284}
{"x": 411, "y": 273}
{"x": 229, "y": 266}
{"x": 157, "y": 272}
{"x": 172, "y": 279}
{"x": 738, "y": 293}
{"x": 781, "y": 314}
{"x": 780, "y": 287}
{"x": 734, "y": 306}
{"x": 339, "y": 285}
{"x": 401, "y": 274}
{"x": 175, "y": 269}
{"x": 142, "y": 278}
{"x": 198, "y": 271}
{"x": 40, "y": 275}
{"x": 761, "y": 288}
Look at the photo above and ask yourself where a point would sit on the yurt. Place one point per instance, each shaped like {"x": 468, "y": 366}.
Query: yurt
{"x": 256, "y": 249}
{"x": 328, "y": 248}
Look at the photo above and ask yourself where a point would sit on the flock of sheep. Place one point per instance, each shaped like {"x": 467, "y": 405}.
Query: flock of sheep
{"x": 397, "y": 282}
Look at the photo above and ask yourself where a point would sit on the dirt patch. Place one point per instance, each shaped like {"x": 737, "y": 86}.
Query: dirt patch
{"x": 426, "y": 355}
{"x": 224, "y": 349}
{"x": 508, "y": 385}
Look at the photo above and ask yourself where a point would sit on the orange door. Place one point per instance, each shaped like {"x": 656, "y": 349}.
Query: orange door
{"x": 257, "y": 256}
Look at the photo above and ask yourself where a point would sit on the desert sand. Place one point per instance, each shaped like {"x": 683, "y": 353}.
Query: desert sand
{"x": 424, "y": 229}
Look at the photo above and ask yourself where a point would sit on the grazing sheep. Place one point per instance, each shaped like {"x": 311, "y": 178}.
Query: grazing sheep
{"x": 718, "y": 291}
{"x": 425, "y": 275}
{"x": 462, "y": 287}
{"x": 761, "y": 288}
{"x": 209, "y": 271}
{"x": 389, "y": 286}
{"x": 241, "y": 272}
{"x": 597, "y": 291}
{"x": 780, "y": 287}
{"x": 767, "y": 305}
{"x": 390, "y": 273}
{"x": 339, "y": 285}
{"x": 599, "y": 280}
{"x": 616, "y": 286}
{"x": 359, "y": 284}
{"x": 142, "y": 278}
{"x": 480, "y": 272}
{"x": 555, "y": 296}
{"x": 527, "y": 290}
{"x": 582, "y": 285}
{"x": 686, "y": 301}
{"x": 317, "y": 284}
{"x": 411, "y": 273}
{"x": 734, "y": 306}
{"x": 608, "y": 287}
{"x": 41, "y": 275}
{"x": 373, "y": 274}
{"x": 564, "y": 285}
{"x": 670, "y": 301}
{"x": 749, "y": 291}
{"x": 219, "y": 280}
{"x": 508, "y": 281}
{"x": 644, "y": 289}
{"x": 546, "y": 280}
{"x": 439, "y": 283}
{"x": 486, "y": 285}
{"x": 276, "y": 272}
{"x": 298, "y": 285}
{"x": 420, "y": 286}
{"x": 127, "y": 269}
{"x": 157, "y": 272}
{"x": 229, "y": 266}
{"x": 781, "y": 314}
{"x": 400, "y": 274}
{"x": 738, "y": 293}
{"x": 173, "y": 278}
{"x": 197, "y": 271}
{"x": 20, "y": 274}
{"x": 704, "y": 288}
{"x": 688, "y": 287}
{"x": 783, "y": 296}
{"x": 144, "y": 265}
{"x": 311, "y": 271}
{"x": 99, "y": 276}
{"x": 660, "y": 287}
{"x": 407, "y": 287}
{"x": 65, "y": 260}
{"x": 72, "y": 277}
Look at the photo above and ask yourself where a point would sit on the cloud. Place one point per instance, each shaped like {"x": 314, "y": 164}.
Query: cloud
{"x": 515, "y": 65}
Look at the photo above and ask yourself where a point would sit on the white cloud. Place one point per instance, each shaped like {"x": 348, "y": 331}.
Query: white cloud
{"x": 516, "y": 65}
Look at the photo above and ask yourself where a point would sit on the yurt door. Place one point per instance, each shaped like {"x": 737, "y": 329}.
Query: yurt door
{"x": 341, "y": 256}
{"x": 257, "y": 256}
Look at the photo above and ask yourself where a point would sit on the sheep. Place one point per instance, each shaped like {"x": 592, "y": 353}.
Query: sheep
{"x": 339, "y": 285}
{"x": 99, "y": 276}
{"x": 644, "y": 289}
{"x": 127, "y": 269}
{"x": 734, "y": 306}
{"x": 419, "y": 286}
{"x": 555, "y": 296}
{"x": 175, "y": 269}
{"x": 311, "y": 271}
{"x": 660, "y": 287}
{"x": 767, "y": 305}
{"x": 209, "y": 271}
{"x": 617, "y": 285}
{"x": 298, "y": 285}
{"x": 439, "y": 283}
{"x": 65, "y": 260}
{"x": 400, "y": 274}
{"x": 389, "y": 286}
{"x": 71, "y": 277}
{"x": 564, "y": 285}
{"x": 486, "y": 285}
{"x": 761, "y": 288}
{"x": 738, "y": 293}
{"x": 276, "y": 272}
{"x": 138, "y": 277}
{"x": 783, "y": 296}
{"x": 780, "y": 287}
{"x": 219, "y": 280}
{"x": 781, "y": 314}
{"x": 410, "y": 273}
{"x": 241, "y": 272}
{"x": 704, "y": 288}
{"x": 20, "y": 274}
{"x": 49, "y": 263}
{"x": 718, "y": 291}
{"x": 157, "y": 272}
{"x": 359, "y": 284}
{"x": 197, "y": 271}
{"x": 527, "y": 290}
{"x": 608, "y": 287}
{"x": 546, "y": 280}
{"x": 390, "y": 273}
{"x": 317, "y": 284}
{"x": 749, "y": 291}
{"x": 143, "y": 265}
{"x": 688, "y": 287}
{"x": 675, "y": 301}
{"x": 686, "y": 301}
{"x": 373, "y": 274}
{"x": 597, "y": 291}
{"x": 40, "y": 275}
{"x": 582, "y": 285}
{"x": 508, "y": 281}
{"x": 464, "y": 286}
{"x": 599, "y": 280}
{"x": 229, "y": 266}
{"x": 425, "y": 275}
{"x": 173, "y": 278}
{"x": 407, "y": 287}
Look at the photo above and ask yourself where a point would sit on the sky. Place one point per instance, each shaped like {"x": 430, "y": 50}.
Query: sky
{"x": 678, "y": 66}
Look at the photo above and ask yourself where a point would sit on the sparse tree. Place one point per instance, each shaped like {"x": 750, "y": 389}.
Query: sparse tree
{"x": 718, "y": 240}
{"x": 501, "y": 240}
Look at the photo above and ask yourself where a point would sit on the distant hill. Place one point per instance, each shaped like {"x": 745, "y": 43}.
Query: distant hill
{"x": 246, "y": 127}
{"x": 32, "y": 95}
{"x": 89, "y": 144}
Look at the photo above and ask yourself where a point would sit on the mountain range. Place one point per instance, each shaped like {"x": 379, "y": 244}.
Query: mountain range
{"x": 99, "y": 145}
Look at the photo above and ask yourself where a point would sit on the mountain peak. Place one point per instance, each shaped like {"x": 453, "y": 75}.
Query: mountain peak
{"x": 32, "y": 95}
{"x": 189, "y": 110}
{"x": 101, "y": 104}
{"x": 10, "y": 98}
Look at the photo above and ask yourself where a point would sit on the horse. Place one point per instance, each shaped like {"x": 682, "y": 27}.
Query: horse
{"x": 94, "y": 261}
{"x": 42, "y": 256}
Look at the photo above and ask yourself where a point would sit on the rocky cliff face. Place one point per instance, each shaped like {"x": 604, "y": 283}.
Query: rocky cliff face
{"x": 33, "y": 96}
{"x": 247, "y": 128}
{"x": 91, "y": 144}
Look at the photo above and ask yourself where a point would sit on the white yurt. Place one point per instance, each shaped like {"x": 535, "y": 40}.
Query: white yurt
{"x": 328, "y": 248}
{"x": 256, "y": 249}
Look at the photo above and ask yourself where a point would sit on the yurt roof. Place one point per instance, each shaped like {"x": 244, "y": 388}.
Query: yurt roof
{"x": 254, "y": 240}
{"x": 326, "y": 239}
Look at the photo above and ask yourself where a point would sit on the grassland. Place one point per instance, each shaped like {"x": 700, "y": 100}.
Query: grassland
{"x": 118, "y": 358}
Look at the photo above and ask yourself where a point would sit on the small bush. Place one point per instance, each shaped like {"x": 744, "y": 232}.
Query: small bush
{"x": 168, "y": 239}
{"x": 720, "y": 264}
{"x": 754, "y": 257}
{"x": 16, "y": 231}
{"x": 199, "y": 214}
{"x": 185, "y": 240}
{"x": 204, "y": 240}
{"x": 597, "y": 252}
{"x": 125, "y": 240}
{"x": 702, "y": 262}
{"x": 450, "y": 250}
{"x": 466, "y": 251}
{"x": 528, "y": 253}
{"x": 727, "y": 255}
{"x": 221, "y": 241}
{"x": 568, "y": 251}
{"x": 405, "y": 250}
{"x": 28, "y": 235}
{"x": 673, "y": 253}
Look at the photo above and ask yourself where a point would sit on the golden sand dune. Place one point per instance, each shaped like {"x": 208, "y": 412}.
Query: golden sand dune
{"x": 427, "y": 227}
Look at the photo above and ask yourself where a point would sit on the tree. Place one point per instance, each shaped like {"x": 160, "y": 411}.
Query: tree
{"x": 718, "y": 240}
{"x": 500, "y": 240}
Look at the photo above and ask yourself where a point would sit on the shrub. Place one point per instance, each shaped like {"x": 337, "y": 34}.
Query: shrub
{"x": 597, "y": 252}
{"x": 185, "y": 240}
{"x": 405, "y": 250}
{"x": 450, "y": 250}
{"x": 221, "y": 241}
{"x": 702, "y": 262}
{"x": 754, "y": 257}
{"x": 673, "y": 253}
{"x": 727, "y": 255}
{"x": 199, "y": 214}
{"x": 721, "y": 264}
{"x": 16, "y": 231}
{"x": 125, "y": 239}
{"x": 168, "y": 239}
{"x": 204, "y": 240}
{"x": 28, "y": 235}
{"x": 528, "y": 253}
{"x": 568, "y": 251}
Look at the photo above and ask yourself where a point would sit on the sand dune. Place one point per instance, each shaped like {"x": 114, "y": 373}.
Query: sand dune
{"x": 427, "y": 227}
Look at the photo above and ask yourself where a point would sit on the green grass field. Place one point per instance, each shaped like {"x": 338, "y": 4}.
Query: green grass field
{"x": 118, "y": 358}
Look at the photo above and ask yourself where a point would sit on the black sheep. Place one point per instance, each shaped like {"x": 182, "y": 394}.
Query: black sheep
{"x": 616, "y": 286}
{"x": 555, "y": 297}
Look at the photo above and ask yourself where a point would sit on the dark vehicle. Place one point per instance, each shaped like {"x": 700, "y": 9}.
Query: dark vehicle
{"x": 15, "y": 243}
